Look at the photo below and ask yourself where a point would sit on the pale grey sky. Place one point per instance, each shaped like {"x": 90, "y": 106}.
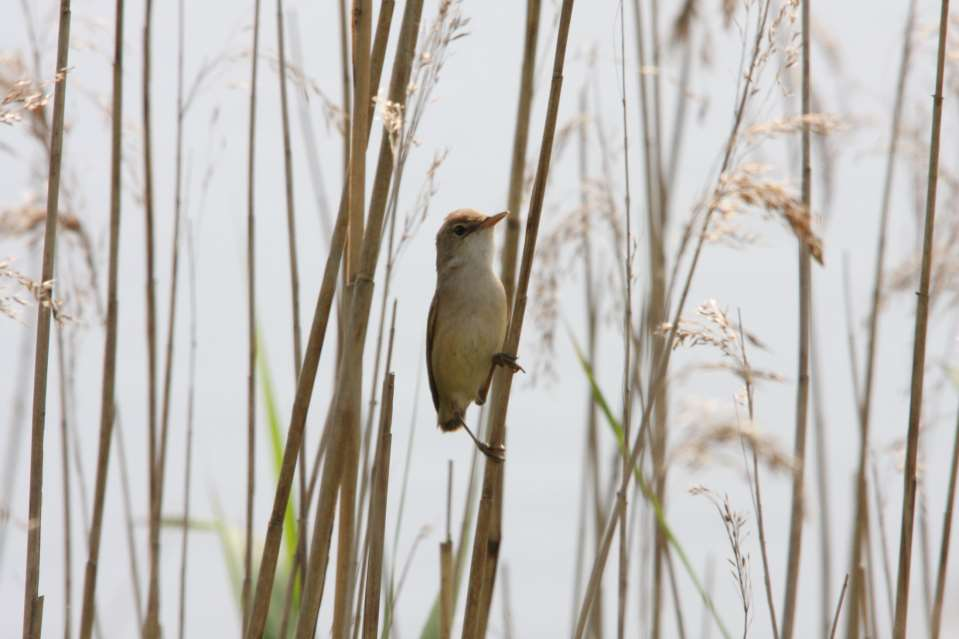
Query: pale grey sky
{"x": 471, "y": 115}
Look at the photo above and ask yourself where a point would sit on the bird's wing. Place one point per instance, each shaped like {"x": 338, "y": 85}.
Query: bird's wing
{"x": 430, "y": 330}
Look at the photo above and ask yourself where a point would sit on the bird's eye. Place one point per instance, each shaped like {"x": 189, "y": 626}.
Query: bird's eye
{"x": 460, "y": 230}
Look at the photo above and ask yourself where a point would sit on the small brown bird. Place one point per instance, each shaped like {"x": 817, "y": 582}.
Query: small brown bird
{"x": 467, "y": 321}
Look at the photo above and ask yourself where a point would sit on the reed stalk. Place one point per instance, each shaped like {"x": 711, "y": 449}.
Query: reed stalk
{"x": 345, "y": 405}
{"x": 17, "y": 418}
{"x": 384, "y": 19}
{"x": 879, "y": 500}
{"x": 627, "y": 339}
{"x": 301, "y": 407}
{"x": 65, "y": 475}
{"x": 151, "y": 628}
{"x": 919, "y": 345}
{"x": 345, "y": 85}
{"x": 514, "y": 198}
{"x": 835, "y": 619}
{"x": 925, "y": 552}
{"x": 656, "y": 307}
{"x": 592, "y": 423}
{"x": 33, "y": 603}
{"x": 822, "y": 474}
{"x": 250, "y": 323}
{"x": 294, "y": 273}
{"x": 377, "y": 515}
{"x": 755, "y": 486}
{"x": 309, "y": 136}
{"x": 108, "y": 385}
{"x": 380, "y": 41}
{"x": 486, "y": 540}
{"x": 514, "y": 202}
{"x": 446, "y": 563}
{"x": 290, "y": 215}
{"x": 136, "y": 590}
{"x": 294, "y": 438}
{"x": 936, "y": 626}
{"x": 361, "y": 21}
{"x": 802, "y": 388}
{"x": 865, "y": 410}
{"x": 367, "y": 539}
{"x": 174, "y": 265}
{"x": 188, "y": 461}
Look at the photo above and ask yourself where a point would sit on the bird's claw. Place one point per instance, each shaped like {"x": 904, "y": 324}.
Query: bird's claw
{"x": 494, "y": 453}
{"x": 507, "y": 360}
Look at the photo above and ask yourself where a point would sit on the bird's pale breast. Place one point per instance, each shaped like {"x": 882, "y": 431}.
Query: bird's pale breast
{"x": 470, "y": 328}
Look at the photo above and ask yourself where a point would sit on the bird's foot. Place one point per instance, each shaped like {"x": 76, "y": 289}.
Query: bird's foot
{"x": 493, "y": 453}
{"x": 507, "y": 360}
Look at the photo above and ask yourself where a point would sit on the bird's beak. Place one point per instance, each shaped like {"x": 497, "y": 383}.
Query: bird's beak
{"x": 492, "y": 220}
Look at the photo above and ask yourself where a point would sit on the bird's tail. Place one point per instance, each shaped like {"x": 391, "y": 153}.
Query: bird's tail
{"x": 449, "y": 419}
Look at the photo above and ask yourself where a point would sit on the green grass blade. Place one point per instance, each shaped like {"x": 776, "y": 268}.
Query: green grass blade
{"x": 277, "y": 442}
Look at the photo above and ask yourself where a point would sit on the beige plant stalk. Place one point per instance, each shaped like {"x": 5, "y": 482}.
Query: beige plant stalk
{"x": 108, "y": 385}
{"x": 514, "y": 203}
{"x": 802, "y": 388}
{"x": 346, "y": 406}
{"x": 346, "y": 398}
{"x": 151, "y": 629}
{"x": 377, "y": 515}
{"x": 250, "y": 324}
{"x": 623, "y": 580}
{"x": 488, "y": 522}
{"x": 656, "y": 307}
{"x": 514, "y": 198}
{"x": 301, "y": 405}
{"x": 919, "y": 344}
{"x": 865, "y": 401}
{"x": 945, "y": 539}
{"x": 33, "y": 604}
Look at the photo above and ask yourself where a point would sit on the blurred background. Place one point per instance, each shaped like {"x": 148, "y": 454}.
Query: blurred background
{"x": 460, "y": 157}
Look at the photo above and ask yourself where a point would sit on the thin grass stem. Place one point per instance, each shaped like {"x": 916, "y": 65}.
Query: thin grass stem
{"x": 152, "y": 623}
{"x": 33, "y": 603}
{"x": 108, "y": 386}
{"x": 191, "y": 405}
{"x": 250, "y": 325}
{"x": 865, "y": 400}
{"x": 936, "y": 628}
{"x": 919, "y": 345}
{"x": 377, "y": 516}
{"x": 487, "y": 537}
{"x": 835, "y": 619}
{"x": 346, "y": 401}
{"x": 802, "y": 388}
{"x": 301, "y": 406}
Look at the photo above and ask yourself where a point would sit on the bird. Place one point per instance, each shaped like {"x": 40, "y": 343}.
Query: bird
{"x": 467, "y": 321}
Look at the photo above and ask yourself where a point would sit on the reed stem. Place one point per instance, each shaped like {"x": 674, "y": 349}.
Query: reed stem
{"x": 919, "y": 344}
{"x": 802, "y": 388}
{"x": 33, "y": 603}
{"x": 108, "y": 385}
{"x": 486, "y": 540}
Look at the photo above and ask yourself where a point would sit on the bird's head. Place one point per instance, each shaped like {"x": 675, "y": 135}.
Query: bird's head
{"x": 466, "y": 237}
